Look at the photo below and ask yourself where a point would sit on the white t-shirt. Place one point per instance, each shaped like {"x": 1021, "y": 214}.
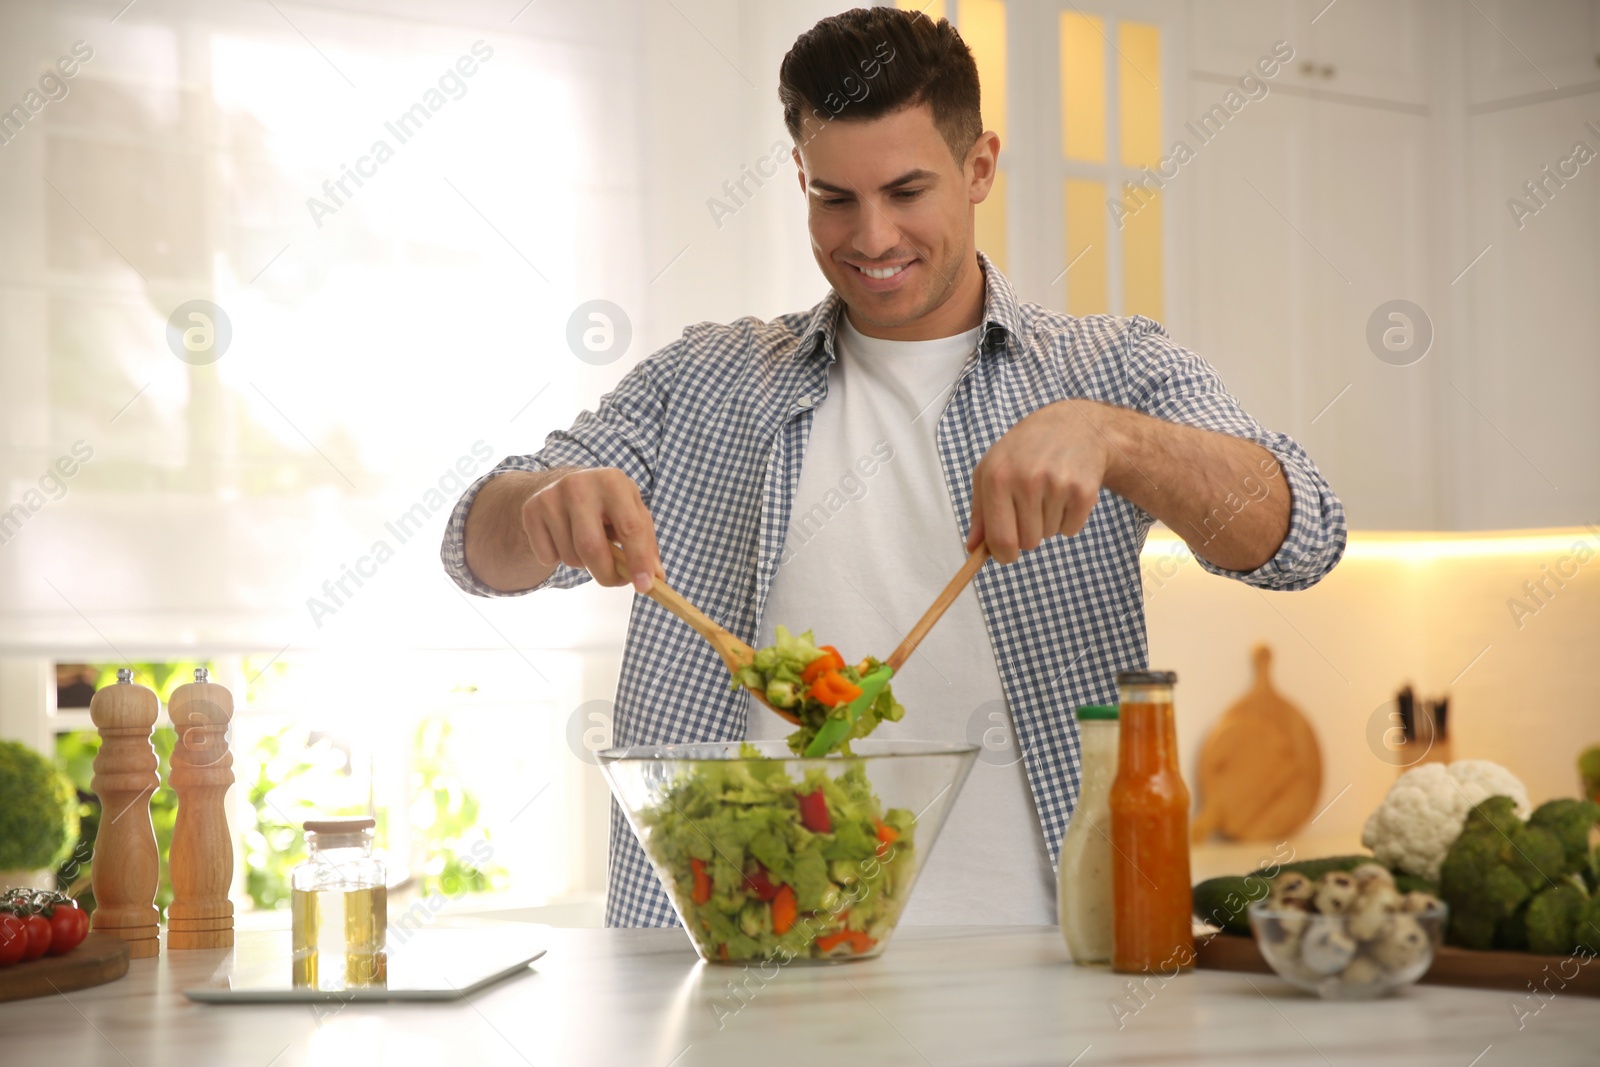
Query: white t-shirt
{"x": 872, "y": 540}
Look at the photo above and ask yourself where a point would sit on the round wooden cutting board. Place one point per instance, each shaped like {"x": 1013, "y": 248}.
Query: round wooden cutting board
{"x": 98, "y": 960}
{"x": 1260, "y": 769}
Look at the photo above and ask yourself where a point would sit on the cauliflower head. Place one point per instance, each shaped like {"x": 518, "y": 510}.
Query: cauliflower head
{"x": 1421, "y": 816}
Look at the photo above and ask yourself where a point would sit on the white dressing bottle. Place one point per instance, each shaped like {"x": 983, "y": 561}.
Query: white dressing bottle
{"x": 1084, "y": 865}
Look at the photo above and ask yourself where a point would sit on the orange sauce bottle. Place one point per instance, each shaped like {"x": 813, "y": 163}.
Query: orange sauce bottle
{"x": 1151, "y": 923}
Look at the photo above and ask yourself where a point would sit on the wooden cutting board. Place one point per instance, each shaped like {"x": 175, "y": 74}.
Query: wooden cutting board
{"x": 1260, "y": 769}
{"x": 98, "y": 960}
{"x": 1451, "y": 966}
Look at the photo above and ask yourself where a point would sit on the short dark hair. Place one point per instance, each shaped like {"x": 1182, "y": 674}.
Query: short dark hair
{"x": 874, "y": 61}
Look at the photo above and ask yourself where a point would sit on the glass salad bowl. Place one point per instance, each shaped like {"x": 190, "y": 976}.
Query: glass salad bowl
{"x": 767, "y": 855}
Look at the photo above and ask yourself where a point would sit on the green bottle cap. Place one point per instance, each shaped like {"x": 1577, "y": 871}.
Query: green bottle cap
{"x": 1097, "y": 711}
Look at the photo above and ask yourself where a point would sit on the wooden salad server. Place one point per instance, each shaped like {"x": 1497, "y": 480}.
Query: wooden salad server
{"x": 734, "y": 652}
{"x": 837, "y": 729}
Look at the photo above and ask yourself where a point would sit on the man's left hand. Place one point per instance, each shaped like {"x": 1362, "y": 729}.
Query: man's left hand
{"x": 1042, "y": 478}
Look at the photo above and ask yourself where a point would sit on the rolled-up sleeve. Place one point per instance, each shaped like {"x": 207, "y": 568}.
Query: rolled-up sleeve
{"x": 623, "y": 432}
{"x": 1179, "y": 386}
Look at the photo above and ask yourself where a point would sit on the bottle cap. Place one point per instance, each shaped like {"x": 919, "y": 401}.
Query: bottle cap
{"x": 1098, "y": 711}
{"x": 1147, "y": 677}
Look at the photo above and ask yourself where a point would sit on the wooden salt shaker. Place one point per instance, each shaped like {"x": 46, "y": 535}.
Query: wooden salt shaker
{"x": 126, "y": 864}
{"x": 201, "y": 864}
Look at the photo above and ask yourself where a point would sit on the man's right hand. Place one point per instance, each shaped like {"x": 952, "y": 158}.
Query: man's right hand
{"x": 576, "y": 518}
{"x": 522, "y": 524}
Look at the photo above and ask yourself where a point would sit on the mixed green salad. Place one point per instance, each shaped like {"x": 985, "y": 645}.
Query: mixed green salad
{"x": 763, "y": 867}
{"x": 817, "y": 685}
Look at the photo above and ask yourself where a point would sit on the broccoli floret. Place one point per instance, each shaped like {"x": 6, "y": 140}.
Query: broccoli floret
{"x": 1570, "y": 820}
{"x": 1511, "y": 932}
{"x": 1589, "y": 769}
{"x": 1586, "y": 931}
{"x": 1495, "y": 866}
{"x": 1553, "y": 917}
{"x": 1471, "y": 929}
{"x": 1496, "y": 813}
{"x": 1537, "y": 857}
{"x": 1475, "y": 878}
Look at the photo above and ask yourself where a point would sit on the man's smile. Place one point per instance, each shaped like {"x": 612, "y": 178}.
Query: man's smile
{"x": 882, "y": 279}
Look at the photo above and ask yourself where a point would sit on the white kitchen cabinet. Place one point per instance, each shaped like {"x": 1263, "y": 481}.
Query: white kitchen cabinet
{"x": 1227, "y": 39}
{"x": 1523, "y": 47}
{"x": 1520, "y": 419}
{"x": 1370, "y": 48}
{"x": 1307, "y": 215}
{"x": 1314, "y": 208}
{"x": 1370, "y": 183}
{"x": 1378, "y": 49}
{"x": 1376, "y": 177}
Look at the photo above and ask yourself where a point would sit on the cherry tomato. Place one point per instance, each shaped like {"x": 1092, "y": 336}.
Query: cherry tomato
{"x": 38, "y": 928}
{"x": 69, "y": 925}
{"x": 13, "y": 939}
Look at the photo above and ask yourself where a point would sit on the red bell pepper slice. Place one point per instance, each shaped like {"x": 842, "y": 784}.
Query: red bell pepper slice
{"x": 814, "y": 812}
{"x": 760, "y": 884}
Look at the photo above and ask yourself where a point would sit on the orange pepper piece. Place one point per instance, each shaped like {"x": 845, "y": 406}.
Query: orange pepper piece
{"x": 784, "y": 910}
{"x": 830, "y": 660}
{"x": 887, "y": 835}
{"x": 702, "y": 881}
{"x": 834, "y": 689}
{"x": 828, "y": 942}
{"x": 859, "y": 942}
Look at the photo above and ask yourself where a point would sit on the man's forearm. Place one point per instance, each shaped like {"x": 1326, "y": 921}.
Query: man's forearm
{"x": 497, "y": 548}
{"x": 1225, "y": 496}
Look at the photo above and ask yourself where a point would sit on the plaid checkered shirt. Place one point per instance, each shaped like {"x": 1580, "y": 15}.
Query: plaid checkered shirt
{"x": 713, "y": 430}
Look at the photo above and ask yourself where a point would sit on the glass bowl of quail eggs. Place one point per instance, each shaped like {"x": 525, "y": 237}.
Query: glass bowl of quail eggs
{"x": 1348, "y": 935}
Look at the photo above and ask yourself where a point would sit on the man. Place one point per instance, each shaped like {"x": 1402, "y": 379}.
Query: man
{"x": 831, "y": 469}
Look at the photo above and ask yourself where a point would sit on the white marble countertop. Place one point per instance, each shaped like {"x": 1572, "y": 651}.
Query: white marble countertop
{"x": 939, "y": 996}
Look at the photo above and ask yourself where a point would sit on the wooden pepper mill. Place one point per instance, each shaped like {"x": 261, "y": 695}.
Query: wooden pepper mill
{"x": 126, "y": 864}
{"x": 201, "y": 864}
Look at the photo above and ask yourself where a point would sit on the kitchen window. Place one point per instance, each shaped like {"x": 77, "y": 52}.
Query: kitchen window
{"x": 365, "y": 226}
{"x": 1081, "y": 93}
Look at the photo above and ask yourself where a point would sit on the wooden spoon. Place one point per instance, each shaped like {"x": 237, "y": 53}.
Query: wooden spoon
{"x": 836, "y": 729}
{"x": 734, "y": 652}
{"x": 975, "y": 562}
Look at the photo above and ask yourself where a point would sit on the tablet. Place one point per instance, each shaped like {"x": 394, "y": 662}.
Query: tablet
{"x": 426, "y": 964}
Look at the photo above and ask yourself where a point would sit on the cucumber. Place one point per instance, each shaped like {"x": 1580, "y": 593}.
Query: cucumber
{"x": 1314, "y": 869}
{"x": 1410, "y": 883}
{"x": 1223, "y": 901}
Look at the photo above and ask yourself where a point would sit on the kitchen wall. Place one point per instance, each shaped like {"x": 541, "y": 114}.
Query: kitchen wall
{"x": 1438, "y": 612}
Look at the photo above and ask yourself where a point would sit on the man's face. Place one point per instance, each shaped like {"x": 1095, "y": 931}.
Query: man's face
{"x": 890, "y": 212}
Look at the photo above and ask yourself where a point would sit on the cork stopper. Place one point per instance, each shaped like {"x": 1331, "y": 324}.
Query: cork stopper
{"x": 125, "y": 705}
